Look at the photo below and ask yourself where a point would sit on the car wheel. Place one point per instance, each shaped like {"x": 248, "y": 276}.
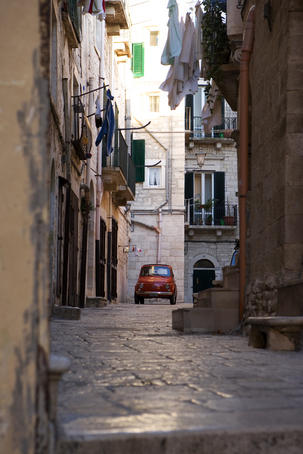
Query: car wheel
{"x": 173, "y": 299}
{"x": 141, "y": 300}
{"x": 136, "y": 299}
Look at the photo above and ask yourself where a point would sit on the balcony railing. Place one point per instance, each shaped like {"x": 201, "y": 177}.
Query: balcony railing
{"x": 194, "y": 124}
{"x": 121, "y": 160}
{"x": 217, "y": 214}
{"x": 198, "y": 132}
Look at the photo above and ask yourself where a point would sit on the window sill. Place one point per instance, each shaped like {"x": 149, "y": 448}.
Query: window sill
{"x": 153, "y": 187}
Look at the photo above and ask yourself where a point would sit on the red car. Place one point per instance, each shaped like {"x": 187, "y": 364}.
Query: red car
{"x": 156, "y": 281}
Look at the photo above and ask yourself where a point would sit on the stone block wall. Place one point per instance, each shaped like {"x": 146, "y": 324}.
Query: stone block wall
{"x": 218, "y": 252}
{"x": 206, "y": 244}
{"x": 275, "y": 213}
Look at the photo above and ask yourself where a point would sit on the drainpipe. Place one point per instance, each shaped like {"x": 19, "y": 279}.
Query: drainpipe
{"x": 159, "y": 210}
{"x": 159, "y": 235}
{"x": 247, "y": 47}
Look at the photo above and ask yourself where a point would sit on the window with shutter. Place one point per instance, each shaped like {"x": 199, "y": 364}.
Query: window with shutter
{"x": 138, "y": 155}
{"x": 205, "y": 197}
{"x": 138, "y": 59}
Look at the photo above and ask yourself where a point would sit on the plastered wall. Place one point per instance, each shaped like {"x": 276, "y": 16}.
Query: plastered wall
{"x": 24, "y": 226}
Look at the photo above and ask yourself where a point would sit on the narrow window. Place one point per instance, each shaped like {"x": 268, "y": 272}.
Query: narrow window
{"x": 154, "y": 38}
{"x": 154, "y": 174}
{"x": 154, "y": 103}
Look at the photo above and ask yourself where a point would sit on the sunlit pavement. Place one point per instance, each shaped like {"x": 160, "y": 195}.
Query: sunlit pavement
{"x": 135, "y": 385}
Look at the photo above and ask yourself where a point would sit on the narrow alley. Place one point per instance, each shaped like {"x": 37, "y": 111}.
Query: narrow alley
{"x": 151, "y": 149}
{"x": 136, "y": 386}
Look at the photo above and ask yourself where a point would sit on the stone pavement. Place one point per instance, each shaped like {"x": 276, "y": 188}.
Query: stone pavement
{"x": 137, "y": 386}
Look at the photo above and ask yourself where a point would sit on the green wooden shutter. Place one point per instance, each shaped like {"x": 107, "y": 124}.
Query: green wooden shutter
{"x": 189, "y": 185}
{"x": 138, "y": 59}
{"x": 189, "y": 194}
{"x": 138, "y": 155}
{"x": 219, "y": 195}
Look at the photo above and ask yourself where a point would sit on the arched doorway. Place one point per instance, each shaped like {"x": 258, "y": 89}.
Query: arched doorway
{"x": 203, "y": 275}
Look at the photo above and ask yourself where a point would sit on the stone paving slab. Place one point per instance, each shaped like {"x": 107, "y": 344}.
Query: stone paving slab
{"x": 133, "y": 377}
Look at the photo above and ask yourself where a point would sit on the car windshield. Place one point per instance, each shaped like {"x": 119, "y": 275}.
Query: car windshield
{"x": 155, "y": 270}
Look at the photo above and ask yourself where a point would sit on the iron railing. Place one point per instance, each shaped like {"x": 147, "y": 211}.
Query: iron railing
{"x": 121, "y": 158}
{"x": 215, "y": 214}
{"x": 198, "y": 132}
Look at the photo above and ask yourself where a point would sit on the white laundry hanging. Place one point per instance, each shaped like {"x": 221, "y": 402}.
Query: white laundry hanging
{"x": 183, "y": 75}
{"x": 212, "y": 110}
{"x": 173, "y": 43}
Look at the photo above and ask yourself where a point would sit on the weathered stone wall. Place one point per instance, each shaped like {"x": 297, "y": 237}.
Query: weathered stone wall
{"x": 81, "y": 66}
{"x": 275, "y": 235}
{"x": 24, "y": 331}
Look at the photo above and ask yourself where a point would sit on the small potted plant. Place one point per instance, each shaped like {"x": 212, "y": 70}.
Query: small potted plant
{"x": 208, "y": 209}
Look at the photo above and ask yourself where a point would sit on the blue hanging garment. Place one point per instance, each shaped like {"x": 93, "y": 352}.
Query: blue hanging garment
{"x": 108, "y": 126}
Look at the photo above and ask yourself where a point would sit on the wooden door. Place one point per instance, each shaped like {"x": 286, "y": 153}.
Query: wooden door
{"x": 114, "y": 257}
{"x": 73, "y": 250}
{"x": 100, "y": 260}
{"x": 202, "y": 280}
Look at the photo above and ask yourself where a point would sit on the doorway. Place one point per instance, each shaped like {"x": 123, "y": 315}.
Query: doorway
{"x": 203, "y": 275}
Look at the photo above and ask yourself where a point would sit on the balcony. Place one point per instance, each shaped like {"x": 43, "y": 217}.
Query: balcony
{"x": 211, "y": 216}
{"x": 119, "y": 174}
{"x": 194, "y": 125}
{"x": 117, "y": 17}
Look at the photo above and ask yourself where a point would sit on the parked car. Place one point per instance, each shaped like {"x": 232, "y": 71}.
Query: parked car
{"x": 156, "y": 281}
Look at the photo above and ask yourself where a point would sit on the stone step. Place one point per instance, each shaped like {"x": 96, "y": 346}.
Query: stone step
{"x": 95, "y": 301}
{"x": 203, "y": 298}
{"x": 205, "y": 320}
{"x": 219, "y": 298}
{"x": 255, "y": 440}
{"x": 216, "y": 283}
{"x": 231, "y": 276}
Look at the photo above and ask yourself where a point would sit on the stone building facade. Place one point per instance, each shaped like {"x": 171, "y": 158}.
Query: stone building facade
{"x": 274, "y": 241}
{"x": 89, "y": 188}
{"x": 157, "y": 214}
{"x": 210, "y": 231}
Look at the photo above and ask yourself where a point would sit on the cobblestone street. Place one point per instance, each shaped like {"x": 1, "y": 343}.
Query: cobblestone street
{"x": 132, "y": 376}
